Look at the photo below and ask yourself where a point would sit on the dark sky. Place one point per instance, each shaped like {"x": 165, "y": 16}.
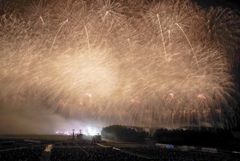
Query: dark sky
{"x": 225, "y": 3}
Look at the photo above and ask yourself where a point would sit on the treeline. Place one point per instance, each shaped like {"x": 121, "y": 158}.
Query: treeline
{"x": 203, "y": 136}
{"x": 124, "y": 133}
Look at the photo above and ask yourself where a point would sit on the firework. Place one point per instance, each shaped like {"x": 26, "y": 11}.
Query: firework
{"x": 160, "y": 64}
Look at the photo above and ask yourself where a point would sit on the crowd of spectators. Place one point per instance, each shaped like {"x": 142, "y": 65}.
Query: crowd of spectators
{"x": 157, "y": 153}
{"x": 153, "y": 153}
{"x": 74, "y": 151}
{"x": 90, "y": 154}
{"x": 22, "y": 154}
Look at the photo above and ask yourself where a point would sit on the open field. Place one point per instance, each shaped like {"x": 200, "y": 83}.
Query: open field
{"x": 36, "y": 137}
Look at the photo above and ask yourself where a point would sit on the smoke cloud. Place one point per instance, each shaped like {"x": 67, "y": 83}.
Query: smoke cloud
{"x": 22, "y": 119}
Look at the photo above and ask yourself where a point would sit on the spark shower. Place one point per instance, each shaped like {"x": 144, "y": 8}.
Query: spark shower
{"x": 167, "y": 63}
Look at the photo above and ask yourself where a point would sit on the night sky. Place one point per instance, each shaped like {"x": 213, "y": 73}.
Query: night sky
{"x": 48, "y": 104}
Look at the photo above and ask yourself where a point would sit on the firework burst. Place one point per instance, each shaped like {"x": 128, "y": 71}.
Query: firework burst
{"x": 159, "y": 64}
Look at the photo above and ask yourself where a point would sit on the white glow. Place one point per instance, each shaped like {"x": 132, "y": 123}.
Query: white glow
{"x": 90, "y": 130}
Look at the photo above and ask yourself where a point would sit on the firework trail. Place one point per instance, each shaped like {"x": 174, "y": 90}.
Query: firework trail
{"x": 159, "y": 64}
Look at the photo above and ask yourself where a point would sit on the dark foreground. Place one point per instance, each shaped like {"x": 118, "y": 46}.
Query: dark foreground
{"x": 68, "y": 150}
